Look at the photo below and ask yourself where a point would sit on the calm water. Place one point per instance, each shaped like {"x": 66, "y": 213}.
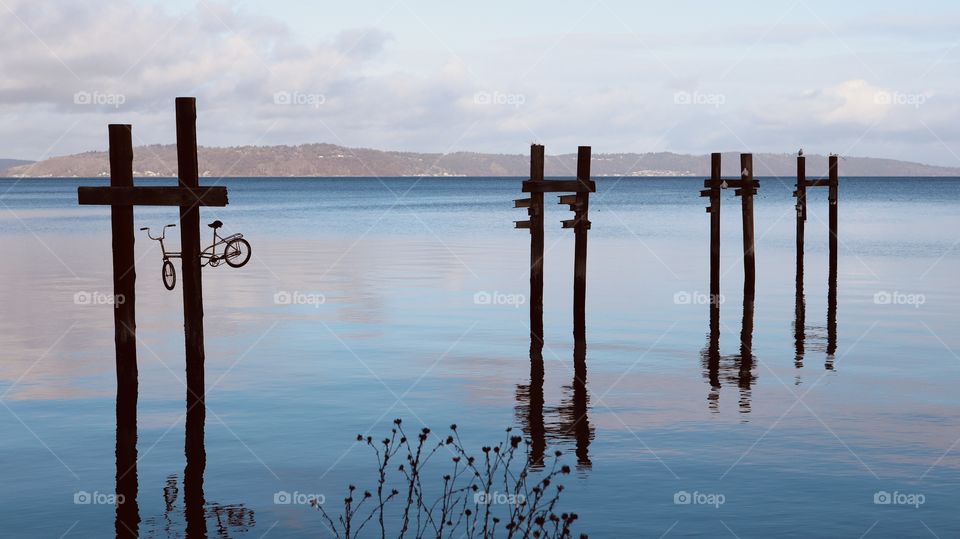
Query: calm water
{"x": 796, "y": 444}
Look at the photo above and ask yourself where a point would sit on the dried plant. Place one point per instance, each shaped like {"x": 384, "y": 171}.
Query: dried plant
{"x": 497, "y": 495}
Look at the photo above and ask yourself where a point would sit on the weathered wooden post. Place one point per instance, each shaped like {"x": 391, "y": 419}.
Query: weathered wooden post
{"x": 746, "y": 192}
{"x": 801, "y": 195}
{"x": 581, "y": 227}
{"x": 124, "y": 273}
{"x": 715, "y": 183}
{"x": 535, "y": 210}
{"x": 582, "y": 186}
{"x": 188, "y": 174}
{"x": 833, "y": 196}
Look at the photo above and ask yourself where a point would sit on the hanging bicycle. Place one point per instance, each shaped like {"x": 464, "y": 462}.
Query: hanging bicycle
{"x": 232, "y": 249}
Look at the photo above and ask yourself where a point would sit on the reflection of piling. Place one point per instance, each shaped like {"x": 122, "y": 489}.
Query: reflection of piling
{"x": 581, "y": 425}
{"x": 746, "y": 354}
{"x": 800, "y": 319}
{"x": 127, "y": 522}
{"x": 196, "y": 456}
{"x": 534, "y": 420}
{"x": 711, "y": 356}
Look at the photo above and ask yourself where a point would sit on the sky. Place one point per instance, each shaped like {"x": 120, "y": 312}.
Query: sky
{"x": 875, "y": 78}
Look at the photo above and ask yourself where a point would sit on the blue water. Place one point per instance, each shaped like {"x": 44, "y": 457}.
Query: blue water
{"x": 802, "y": 452}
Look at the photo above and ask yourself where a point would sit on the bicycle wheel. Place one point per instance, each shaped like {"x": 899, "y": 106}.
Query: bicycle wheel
{"x": 169, "y": 275}
{"x": 237, "y": 252}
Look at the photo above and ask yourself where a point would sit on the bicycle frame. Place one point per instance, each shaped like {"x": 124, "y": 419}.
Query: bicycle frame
{"x": 207, "y": 256}
{"x": 163, "y": 234}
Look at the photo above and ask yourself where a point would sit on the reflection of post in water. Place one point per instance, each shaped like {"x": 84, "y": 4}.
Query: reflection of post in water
{"x": 196, "y": 455}
{"x": 569, "y": 421}
{"x": 737, "y": 368}
{"x": 530, "y": 405}
{"x": 831, "y": 318}
{"x": 745, "y": 378}
{"x": 127, "y": 523}
{"x": 800, "y": 320}
{"x": 711, "y": 358}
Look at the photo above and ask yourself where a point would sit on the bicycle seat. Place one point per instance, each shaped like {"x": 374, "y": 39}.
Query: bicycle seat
{"x": 216, "y": 224}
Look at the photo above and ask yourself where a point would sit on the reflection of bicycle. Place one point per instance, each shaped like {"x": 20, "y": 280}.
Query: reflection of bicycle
{"x": 236, "y": 252}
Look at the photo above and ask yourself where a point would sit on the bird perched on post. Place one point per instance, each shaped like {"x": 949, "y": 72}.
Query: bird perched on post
{"x": 800, "y": 153}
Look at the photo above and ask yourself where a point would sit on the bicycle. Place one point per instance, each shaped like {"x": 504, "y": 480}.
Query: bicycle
{"x": 236, "y": 252}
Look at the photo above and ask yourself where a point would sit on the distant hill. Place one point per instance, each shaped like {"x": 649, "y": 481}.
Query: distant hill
{"x": 10, "y": 163}
{"x": 333, "y": 160}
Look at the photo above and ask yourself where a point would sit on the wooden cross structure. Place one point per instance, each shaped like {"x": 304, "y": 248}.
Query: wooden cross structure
{"x": 188, "y": 195}
{"x": 745, "y": 188}
{"x": 579, "y": 203}
{"x": 832, "y": 181}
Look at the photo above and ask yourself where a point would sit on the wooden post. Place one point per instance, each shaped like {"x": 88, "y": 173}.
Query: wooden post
{"x": 833, "y": 196}
{"x": 190, "y": 247}
{"x": 127, "y": 520}
{"x": 715, "y": 182}
{"x": 749, "y": 248}
{"x": 801, "y": 195}
{"x": 124, "y": 273}
{"x": 580, "y": 245}
{"x": 536, "y": 213}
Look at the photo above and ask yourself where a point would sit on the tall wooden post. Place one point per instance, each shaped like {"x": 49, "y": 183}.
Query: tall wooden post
{"x": 124, "y": 273}
{"x": 190, "y": 247}
{"x": 127, "y": 522}
{"x": 192, "y": 316}
{"x": 536, "y": 213}
{"x": 749, "y": 249}
{"x": 581, "y": 228}
{"x": 801, "y": 195}
{"x": 833, "y": 196}
{"x": 715, "y": 182}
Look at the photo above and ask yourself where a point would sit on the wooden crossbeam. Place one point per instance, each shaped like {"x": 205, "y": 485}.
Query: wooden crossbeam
{"x": 560, "y": 186}
{"x": 152, "y": 196}
{"x": 731, "y": 182}
{"x": 522, "y": 203}
{"x": 818, "y": 182}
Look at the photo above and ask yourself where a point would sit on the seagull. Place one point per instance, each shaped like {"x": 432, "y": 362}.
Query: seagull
{"x": 800, "y": 153}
